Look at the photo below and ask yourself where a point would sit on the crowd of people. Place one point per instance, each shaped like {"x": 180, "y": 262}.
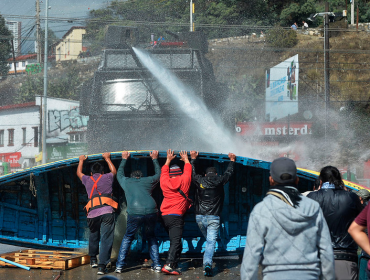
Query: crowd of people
{"x": 314, "y": 235}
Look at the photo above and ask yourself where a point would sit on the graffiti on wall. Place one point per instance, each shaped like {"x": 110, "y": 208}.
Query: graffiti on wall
{"x": 63, "y": 119}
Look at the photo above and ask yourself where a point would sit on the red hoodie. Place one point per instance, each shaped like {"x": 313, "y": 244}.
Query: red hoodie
{"x": 174, "y": 202}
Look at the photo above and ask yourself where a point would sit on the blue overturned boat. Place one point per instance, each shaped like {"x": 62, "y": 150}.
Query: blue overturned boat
{"x": 43, "y": 206}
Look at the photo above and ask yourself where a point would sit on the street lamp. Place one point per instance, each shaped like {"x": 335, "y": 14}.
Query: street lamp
{"x": 44, "y": 102}
{"x": 325, "y": 15}
{"x": 191, "y": 16}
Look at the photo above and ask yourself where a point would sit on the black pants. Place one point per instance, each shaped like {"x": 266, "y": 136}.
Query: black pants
{"x": 174, "y": 226}
{"x": 101, "y": 229}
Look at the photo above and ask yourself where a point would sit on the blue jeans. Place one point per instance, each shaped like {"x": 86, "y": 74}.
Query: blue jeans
{"x": 133, "y": 224}
{"x": 209, "y": 225}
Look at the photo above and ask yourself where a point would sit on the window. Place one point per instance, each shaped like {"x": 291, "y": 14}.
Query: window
{"x": 23, "y": 64}
{"x": 76, "y": 137}
{"x": 36, "y": 136}
{"x": 24, "y": 138}
{"x": 11, "y": 137}
{"x": 1, "y": 138}
{"x": 17, "y": 64}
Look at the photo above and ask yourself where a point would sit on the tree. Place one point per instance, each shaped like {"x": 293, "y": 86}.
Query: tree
{"x": 63, "y": 85}
{"x": 5, "y": 47}
{"x": 52, "y": 39}
{"x": 279, "y": 37}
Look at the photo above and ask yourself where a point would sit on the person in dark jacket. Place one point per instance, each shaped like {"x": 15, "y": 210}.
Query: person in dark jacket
{"x": 209, "y": 200}
{"x": 141, "y": 209}
{"x": 340, "y": 208}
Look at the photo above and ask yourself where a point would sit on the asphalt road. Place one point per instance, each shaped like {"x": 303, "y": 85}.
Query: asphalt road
{"x": 192, "y": 268}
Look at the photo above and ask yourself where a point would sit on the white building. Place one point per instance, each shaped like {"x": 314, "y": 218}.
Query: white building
{"x": 15, "y": 28}
{"x": 20, "y": 63}
{"x": 20, "y": 132}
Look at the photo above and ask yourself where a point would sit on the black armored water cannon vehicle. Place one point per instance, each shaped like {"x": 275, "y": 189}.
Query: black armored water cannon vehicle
{"x": 130, "y": 107}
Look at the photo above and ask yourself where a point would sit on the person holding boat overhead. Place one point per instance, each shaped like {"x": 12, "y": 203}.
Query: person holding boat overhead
{"x": 209, "y": 200}
{"x": 100, "y": 210}
{"x": 175, "y": 186}
{"x": 141, "y": 209}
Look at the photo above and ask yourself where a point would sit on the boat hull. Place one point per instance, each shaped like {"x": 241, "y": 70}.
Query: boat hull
{"x": 43, "y": 206}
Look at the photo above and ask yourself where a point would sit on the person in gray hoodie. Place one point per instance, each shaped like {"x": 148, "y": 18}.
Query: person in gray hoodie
{"x": 287, "y": 233}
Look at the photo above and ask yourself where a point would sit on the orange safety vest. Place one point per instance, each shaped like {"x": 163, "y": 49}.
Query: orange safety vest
{"x": 99, "y": 200}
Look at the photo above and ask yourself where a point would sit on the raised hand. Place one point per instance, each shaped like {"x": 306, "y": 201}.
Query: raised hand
{"x": 154, "y": 154}
{"x": 125, "y": 154}
{"x": 194, "y": 154}
{"x": 184, "y": 156}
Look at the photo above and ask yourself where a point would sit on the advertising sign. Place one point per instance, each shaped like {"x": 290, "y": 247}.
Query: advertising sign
{"x": 273, "y": 129}
{"x": 282, "y": 89}
{"x": 12, "y": 158}
{"x": 64, "y": 151}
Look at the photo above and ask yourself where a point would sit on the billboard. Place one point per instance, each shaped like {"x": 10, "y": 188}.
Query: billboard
{"x": 248, "y": 129}
{"x": 282, "y": 89}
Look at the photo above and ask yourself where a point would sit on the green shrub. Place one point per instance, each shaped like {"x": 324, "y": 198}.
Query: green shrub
{"x": 279, "y": 37}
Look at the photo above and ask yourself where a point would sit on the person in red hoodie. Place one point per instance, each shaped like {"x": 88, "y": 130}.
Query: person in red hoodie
{"x": 175, "y": 186}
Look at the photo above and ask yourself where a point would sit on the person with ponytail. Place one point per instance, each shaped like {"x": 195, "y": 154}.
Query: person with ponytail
{"x": 340, "y": 208}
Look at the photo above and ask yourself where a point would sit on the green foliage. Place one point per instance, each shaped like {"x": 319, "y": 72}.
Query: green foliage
{"x": 5, "y": 47}
{"x": 290, "y": 15}
{"x": 279, "y": 37}
{"x": 365, "y": 12}
{"x": 174, "y": 16}
{"x": 61, "y": 86}
{"x": 31, "y": 86}
{"x": 52, "y": 38}
{"x": 296, "y": 12}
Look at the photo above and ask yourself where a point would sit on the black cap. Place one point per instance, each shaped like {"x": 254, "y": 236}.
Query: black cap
{"x": 283, "y": 170}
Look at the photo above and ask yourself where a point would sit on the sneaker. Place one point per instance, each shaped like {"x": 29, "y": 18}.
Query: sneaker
{"x": 208, "y": 270}
{"x": 102, "y": 270}
{"x": 170, "y": 268}
{"x": 118, "y": 270}
{"x": 157, "y": 268}
{"x": 93, "y": 263}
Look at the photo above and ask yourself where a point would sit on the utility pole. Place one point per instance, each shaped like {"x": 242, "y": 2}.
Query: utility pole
{"x": 44, "y": 103}
{"x": 38, "y": 32}
{"x": 191, "y": 16}
{"x": 357, "y": 19}
{"x": 15, "y": 63}
{"x": 326, "y": 65}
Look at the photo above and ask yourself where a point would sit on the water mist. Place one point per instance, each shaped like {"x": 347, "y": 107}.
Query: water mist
{"x": 209, "y": 129}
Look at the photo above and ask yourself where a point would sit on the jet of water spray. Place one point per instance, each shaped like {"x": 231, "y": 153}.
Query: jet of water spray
{"x": 212, "y": 131}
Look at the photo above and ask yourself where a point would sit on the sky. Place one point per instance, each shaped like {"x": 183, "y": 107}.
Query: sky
{"x": 19, "y": 10}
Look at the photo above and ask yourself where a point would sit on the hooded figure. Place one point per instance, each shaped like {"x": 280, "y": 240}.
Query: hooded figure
{"x": 287, "y": 233}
